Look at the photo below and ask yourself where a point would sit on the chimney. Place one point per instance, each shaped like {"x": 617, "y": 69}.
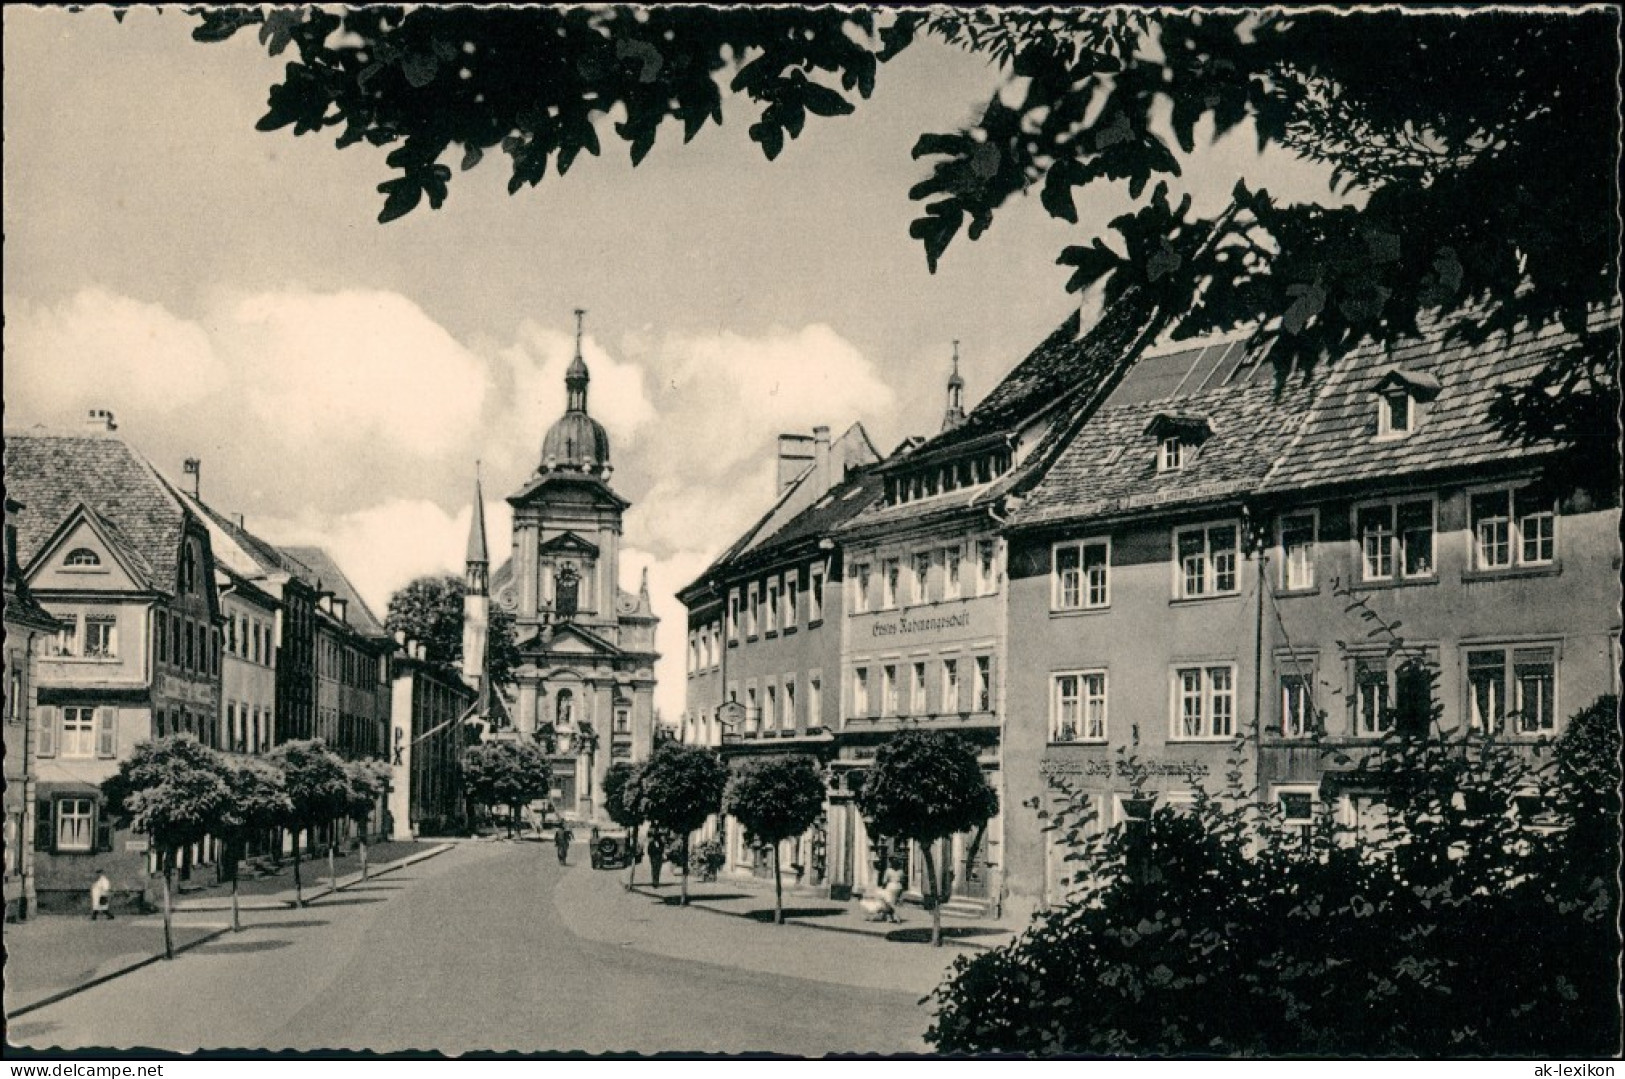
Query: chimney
{"x": 825, "y": 477}
{"x": 242, "y": 525}
{"x": 795, "y": 454}
{"x": 101, "y": 419}
{"x": 194, "y": 468}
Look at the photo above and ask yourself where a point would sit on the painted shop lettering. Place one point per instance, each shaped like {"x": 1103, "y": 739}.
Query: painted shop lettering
{"x": 1076, "y": 766}
{"x": 921, "y": 625}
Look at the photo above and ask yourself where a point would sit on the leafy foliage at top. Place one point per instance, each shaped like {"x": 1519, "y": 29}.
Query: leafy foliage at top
{"x": 316, "y": 779}
{"x": 925, "y": 786}
{"x": 775, "y": 799}
{"x": 1480, "y": 152}
{"x": 623, "y": 795}
{"x": 506, "y": 773}
{"x": 430, "y": 609}
{"x": 681, "y": 786}
{"x": 1474, "y": 919}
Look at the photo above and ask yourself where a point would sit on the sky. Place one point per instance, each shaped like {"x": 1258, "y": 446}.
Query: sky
{"x": 229, "y": 295}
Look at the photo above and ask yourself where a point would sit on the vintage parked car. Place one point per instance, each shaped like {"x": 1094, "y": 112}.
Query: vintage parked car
{"x": 611, "y": 850}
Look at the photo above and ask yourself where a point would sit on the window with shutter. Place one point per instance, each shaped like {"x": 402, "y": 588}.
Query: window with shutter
{"x": 106, "y": 732}
{"x": 47, "y": 732}
{"x": 104, "y": 829}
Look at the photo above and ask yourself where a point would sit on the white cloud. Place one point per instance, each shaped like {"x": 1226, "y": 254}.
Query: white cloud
{"x": 354, "y": 366}
{"x": 100, "y": 350}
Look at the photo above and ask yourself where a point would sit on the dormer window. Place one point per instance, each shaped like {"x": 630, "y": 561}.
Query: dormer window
{"x": 1179, "y": 436}
{"x": 82, "y": 558}
{"x": 1402, "y": 397}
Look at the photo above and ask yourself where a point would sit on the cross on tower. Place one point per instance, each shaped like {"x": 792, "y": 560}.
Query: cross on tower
{"x": 581, "y": 312}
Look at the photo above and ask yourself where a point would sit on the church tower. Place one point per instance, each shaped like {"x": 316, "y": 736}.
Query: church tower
{"x": 955, "y": 414}
{"x": 586, "y": 683}
{"x": 476, "y": 597}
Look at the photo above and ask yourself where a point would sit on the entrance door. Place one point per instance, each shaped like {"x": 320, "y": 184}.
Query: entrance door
{"x": 970, "y": 864}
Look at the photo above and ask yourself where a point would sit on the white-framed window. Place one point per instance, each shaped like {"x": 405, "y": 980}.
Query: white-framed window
{"x": 860, "y": 691}
{"x": 1513, "y": 527}
{"x": 66, "y": 642}
{"x": 101, "y": 637}
{"x": 861, "y": 584}
{"x": 14, "y": 695}
{"x": 815, "y": 699}
{"x": 75, "y": 824}
{"x": 916, "y": 688}
{"x": 950, "y": 685}
{"x": 753, "y": 710}
{"x": 1171, "y": 454}
{"x": 1205, "y": 560}
{"x": 1078, "y": 707}
{"x": 920, "y": 578}
{"x": 82, "y": 558}
{"x": 1363, "y": 815}
{"x": 890, "y": 574}
{"x": 1398, "y": 413}
{"x": 753, "y": 610}
{"x": 1297, "y": 802}
{"x": 231, "y": 722}
{"x": 1299, "y": 716}
{"x": 815, "y": 594}
{"x": 772, "y": 606}
{"x": 987, "y": 578}
{"x": 1372, "y": 715}
{"x": 693, "y": 653}
{"x": 1396, "y": 539}
{"x": 733, "y": 615}
{"x": 1080, "y": 575}
{"x": 982, "y": 686}
{"x": 1297, "y": 538}
{"x": 792, "y": 599}
{"x": 78, "y": 731}
{"x": 1512, "y": 689}
{"x": 770, "y": 707}
{"x": 790, "y": 718}
{"x": 888, "y": 690}
{"x": 952, "y": 588}
{"x": 1204, "y": 702}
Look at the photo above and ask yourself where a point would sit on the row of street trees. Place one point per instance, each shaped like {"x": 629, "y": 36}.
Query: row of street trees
{"x": 923, "y": 787}
{"x": 178, "y": 792}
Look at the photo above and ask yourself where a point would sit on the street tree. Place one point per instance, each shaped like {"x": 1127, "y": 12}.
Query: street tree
{"x": 510, "y": 774}
{"x": 318, "y": 787}
{"x": 259, "y": 804}
{"x": 1473, "y": 158}
{"x": 925, "y": 787}
{"x": 174, "y": 791}
{"x": 681, "y": 787}
{"x": 623, "y": 801}
{"x": 430, "y": 609}
{"x": 775, "y": 800}
{"x": 369, "y": 780}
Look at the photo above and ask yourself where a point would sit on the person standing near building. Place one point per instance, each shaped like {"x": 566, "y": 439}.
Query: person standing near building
{"x": 657, "y": 857}
{"x": 101, "y": 896}
{"x": 562, "y": 839}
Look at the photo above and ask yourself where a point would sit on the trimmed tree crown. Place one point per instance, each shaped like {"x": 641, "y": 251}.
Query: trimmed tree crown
{"x": 924, "y": 786}
{"x": 775, "y": 799}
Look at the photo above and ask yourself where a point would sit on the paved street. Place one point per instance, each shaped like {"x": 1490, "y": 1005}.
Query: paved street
{"x": 492, "y": 945}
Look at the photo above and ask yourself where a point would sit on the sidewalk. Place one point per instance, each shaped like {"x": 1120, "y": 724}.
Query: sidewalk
{"x": 753, "y": 899}
{"x": 272, "y": 883}
{"x": 58, "y": 955}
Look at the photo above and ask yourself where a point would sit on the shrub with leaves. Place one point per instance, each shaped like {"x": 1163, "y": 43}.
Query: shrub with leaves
{"x": 774, "y": 800}
{"x": 1467, "y": 925}
{"x": 926, "y": 786}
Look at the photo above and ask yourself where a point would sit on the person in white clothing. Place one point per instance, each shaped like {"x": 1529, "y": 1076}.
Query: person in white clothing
{"x": 101, "y": 897}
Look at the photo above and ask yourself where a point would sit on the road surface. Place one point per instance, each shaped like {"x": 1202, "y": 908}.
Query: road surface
{"x": 494, "y": 946}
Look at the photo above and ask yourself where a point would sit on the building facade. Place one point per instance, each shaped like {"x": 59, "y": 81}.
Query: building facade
{"x": 128, "y": 571}
{"x": 27, "y": 626}
{"x": 1224, "y": 576}
{"x": 765, "y": 634}
{"x": 429, "y": 709}
{"x": 586, "y": 683}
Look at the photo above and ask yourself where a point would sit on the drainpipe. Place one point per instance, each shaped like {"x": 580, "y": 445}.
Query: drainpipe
{"x": 1259, "y": 582}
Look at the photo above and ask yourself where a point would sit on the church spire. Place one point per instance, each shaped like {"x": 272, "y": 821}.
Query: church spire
{"x": 576, "y": 377}
{"x": 476, "y": 599}
{"x": 477, "y": 553}
{"x": 955, "y": 414}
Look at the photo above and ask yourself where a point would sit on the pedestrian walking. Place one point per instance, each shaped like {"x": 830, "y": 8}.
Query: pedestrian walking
{"x": 657, "y": 857}
{"x": 101, "y": 897}
{"x": 562, "y": 840}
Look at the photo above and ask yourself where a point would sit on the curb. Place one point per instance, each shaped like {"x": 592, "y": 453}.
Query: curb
{"x": 261, "y": 903}
{"x": 102, "y": 979}
{"x": 700, "y": 904}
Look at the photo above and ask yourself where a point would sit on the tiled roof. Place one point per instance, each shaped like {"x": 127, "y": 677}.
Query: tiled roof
{"x": 1338, "y": 444}
{"x": 235, "y": 547}
{"x": 332, "y": 578}
{"x": 1110, "y": 466}
{"x": 52, "y": 474}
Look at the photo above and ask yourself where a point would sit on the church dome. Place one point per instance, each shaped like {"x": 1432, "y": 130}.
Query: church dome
{"x": 576, "y": 440}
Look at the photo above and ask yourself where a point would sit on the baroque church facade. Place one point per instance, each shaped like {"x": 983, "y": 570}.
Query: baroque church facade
{"x": 586, "y": 685}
